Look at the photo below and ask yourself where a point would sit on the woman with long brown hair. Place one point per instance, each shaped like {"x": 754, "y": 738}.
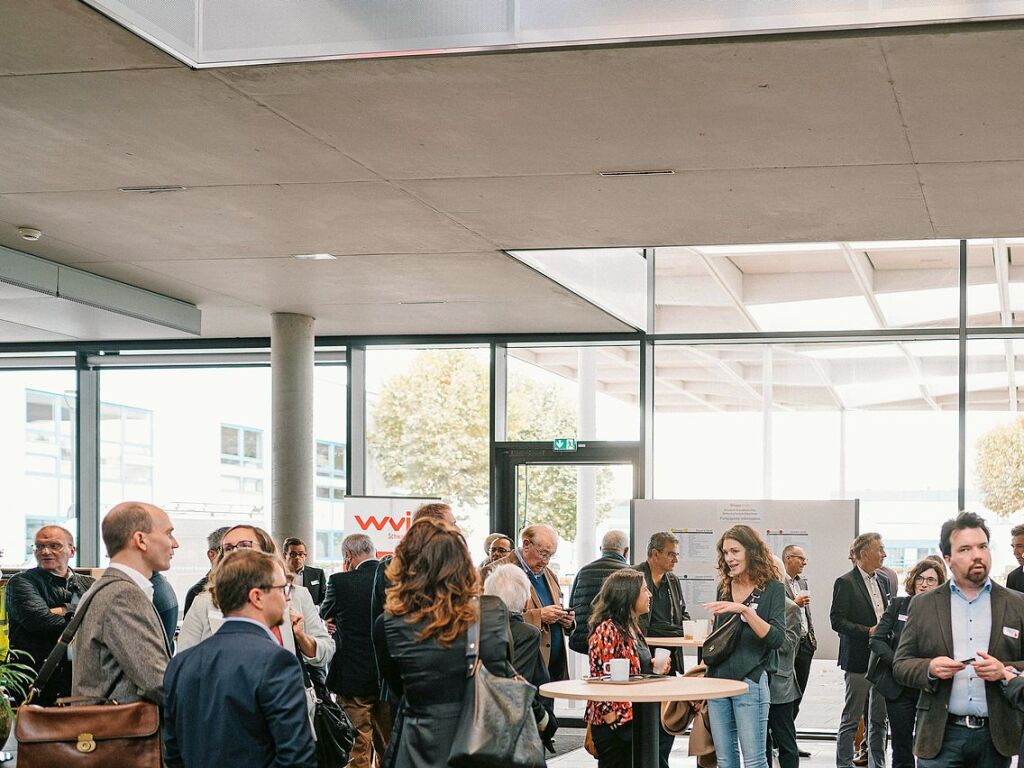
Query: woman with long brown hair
{"x": 420, "y": 640}
{"x": 750, "y": 586}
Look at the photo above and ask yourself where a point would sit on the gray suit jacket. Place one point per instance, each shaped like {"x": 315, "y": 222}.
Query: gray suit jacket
{"x": 927, "y": 634}
{"x": 807, "y": 611}
{"x": 783, "y": 685}
{"x": 121, "y": 638}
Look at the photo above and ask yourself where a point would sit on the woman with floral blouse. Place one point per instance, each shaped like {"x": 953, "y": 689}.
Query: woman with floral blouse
{"x": 614, "y": 634}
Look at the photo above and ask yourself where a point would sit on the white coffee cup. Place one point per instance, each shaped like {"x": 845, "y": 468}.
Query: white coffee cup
{"x": 617, "y": 669}
{"x": 689, "y": 628}
{"x": 661, "y": 656}
{"x": 700, "y": 630}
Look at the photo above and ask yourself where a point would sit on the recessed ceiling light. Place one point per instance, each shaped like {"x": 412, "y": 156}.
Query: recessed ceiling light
{"x": 657, "y": 172}
{"x": 418, "y": 303}
{"x": 29, "y": 233}
{"x": 154, "y": 189}
{"x": 314, "y": 256}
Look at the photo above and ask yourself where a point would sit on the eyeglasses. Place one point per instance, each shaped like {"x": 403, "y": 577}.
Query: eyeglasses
{"x": 53, "y": 546}
{"x": 929, "y": 580}
{"x": 543, "y": 554}
{"x": 500, "y": 550}
{"x": 797, "y": 557}
{"x": 225, "y": 548}
{"x": 286, "y": 589}
{"x": 296, "y": 555}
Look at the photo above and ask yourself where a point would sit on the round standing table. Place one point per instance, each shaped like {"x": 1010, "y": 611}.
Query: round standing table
{"x": 646, "y": 698}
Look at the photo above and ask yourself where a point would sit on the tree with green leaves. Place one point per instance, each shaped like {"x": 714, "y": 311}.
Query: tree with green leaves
{"x": 999, "y": 468}
{"x": 429, "y": 435}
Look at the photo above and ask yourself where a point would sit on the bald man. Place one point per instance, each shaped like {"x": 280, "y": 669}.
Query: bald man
{"x": 544, "y": 608}
{"x": 121, "y": 641}
{"x": 41, "y": 601}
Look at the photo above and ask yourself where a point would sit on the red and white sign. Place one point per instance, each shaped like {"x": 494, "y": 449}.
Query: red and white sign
{"x": 385, "y": 519}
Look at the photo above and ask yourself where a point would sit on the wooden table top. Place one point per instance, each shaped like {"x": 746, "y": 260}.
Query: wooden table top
{"x": 675, "y": 642}
{"x": 667, "y": 689}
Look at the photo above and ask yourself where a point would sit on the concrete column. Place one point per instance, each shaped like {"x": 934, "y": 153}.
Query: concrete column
{"x": 292, "y": 458}
{"x": 586, "y": 476}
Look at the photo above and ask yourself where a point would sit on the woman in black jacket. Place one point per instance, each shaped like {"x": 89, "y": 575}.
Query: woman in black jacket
{"x": 900, "y": 702}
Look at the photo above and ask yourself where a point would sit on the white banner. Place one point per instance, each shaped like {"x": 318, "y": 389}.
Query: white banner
{"x": 385, "y": 519}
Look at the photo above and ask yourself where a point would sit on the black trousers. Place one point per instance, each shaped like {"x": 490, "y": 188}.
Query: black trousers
{"x": 802, "y": 669}
{"x": 614, "y": 747}
{"x": 966, "y": 748}
{"x": 782, "y": 734}
{"x": 902, "y": 713}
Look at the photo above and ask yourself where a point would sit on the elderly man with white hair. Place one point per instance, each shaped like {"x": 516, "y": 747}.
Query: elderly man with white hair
{"x": 544, "y": 608}
{"x": 510, "y": 584}
{"x": 614, "y": 557}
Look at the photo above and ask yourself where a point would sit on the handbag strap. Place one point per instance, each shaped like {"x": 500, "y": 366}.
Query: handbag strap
{"x": 59, "y": 654}
{"x": 473, "y": 640}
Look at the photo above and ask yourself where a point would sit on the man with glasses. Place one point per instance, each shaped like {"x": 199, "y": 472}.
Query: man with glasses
{"x": 668, "y": 609}
{"x": 41, "y": 602}
{"x": 795, "y": 560}
{"x": 544, "y": 608}
{"x": 238, "y": 698}
{"x": 313, "y": 579}
{"x": 497, "y": 545}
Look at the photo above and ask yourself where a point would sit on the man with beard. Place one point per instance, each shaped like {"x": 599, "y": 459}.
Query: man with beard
{"x": 957, "y": 642}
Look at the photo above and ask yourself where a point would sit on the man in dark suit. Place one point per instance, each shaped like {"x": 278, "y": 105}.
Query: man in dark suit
{"x": 238, "y": 698}
{"x": 1015, "y": 580}
{"x": 956, "y": 644}
{"x": 295, "y": 555}
{"x": 353, "y": 676}
{"x": 589, "y": 579}
{"x": 212, "y": 553}
{"x": 858, "y": 601}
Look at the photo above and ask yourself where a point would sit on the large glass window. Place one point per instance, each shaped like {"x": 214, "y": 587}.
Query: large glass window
{"x": 428, "y": 429}
{"x": 584, "y": 392}
{"x": 330, "y": 395}
{"x": 38, "y": 468}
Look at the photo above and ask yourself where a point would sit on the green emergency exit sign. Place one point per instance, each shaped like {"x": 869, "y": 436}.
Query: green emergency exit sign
{"x": 565, "y": 443}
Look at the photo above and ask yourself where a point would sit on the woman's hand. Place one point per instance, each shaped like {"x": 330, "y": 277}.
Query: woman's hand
{"x": 661, "y": 666}
{"x": 724, "y": 606}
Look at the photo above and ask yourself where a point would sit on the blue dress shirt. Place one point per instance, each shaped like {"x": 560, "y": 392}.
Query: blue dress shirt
{"x": 971, "y": 622}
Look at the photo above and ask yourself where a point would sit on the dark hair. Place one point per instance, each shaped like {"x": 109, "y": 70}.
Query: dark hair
{"x": 617, "y": 601}
{"x": 961, "y": 522}
{"x": 291, "y": 541}
{"x": 240, "y": 572}
{"x": 862, "y": 542}
{"x": 761, "y": 566}
{"x": 122, "y": 522}
{"x": 928, "y": 564}
{"x": 659, "y": 541}
{"x": 434, "y": 581}
{"x": 213, "y": 540}
{"x": 1017, "y": 530}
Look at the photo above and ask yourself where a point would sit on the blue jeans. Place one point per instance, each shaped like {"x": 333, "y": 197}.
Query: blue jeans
{"x": 740, "y": 724}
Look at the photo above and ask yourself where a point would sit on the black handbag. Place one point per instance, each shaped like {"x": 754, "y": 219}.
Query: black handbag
{"x": 334, "y": 732}
{"x": 720, "y": 644}
{"x": 497, "y": 728}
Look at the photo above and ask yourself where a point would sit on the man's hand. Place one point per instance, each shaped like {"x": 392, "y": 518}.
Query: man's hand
{"x": 871, "y": 630}
{"x": 59, "y": 611}
{"x": 552, "y": 614}
{"x": 943, "y": 667}
{"x": 298, "y": 624}
{"x": 989, "y": 667}
{"x": 567, "y": 620}
{"x": 803, "y": 600}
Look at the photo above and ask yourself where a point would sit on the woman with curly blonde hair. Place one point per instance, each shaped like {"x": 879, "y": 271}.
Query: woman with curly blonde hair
{"x": 750, "y": 591}
{"x": 420, "y": 640}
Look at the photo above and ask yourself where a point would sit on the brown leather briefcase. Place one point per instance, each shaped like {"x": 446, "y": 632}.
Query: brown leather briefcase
{"x": 82, "y": 732}
{"x": 89, "y": 736}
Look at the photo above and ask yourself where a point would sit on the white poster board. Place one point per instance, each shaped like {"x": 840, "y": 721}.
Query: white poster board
{"x": 825, "y": 530}
{"x": 385, "y": 519}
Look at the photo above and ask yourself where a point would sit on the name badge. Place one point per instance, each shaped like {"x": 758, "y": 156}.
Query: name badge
{"x": 313, "y": 583}
{"x": 901, "y": 617}
{"x": 1011, "y": 632}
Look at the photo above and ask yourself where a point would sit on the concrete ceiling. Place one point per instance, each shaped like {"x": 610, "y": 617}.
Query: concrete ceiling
{"x": 418, "y": 172}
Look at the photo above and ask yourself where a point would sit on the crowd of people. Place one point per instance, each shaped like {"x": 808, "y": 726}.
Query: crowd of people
{"x": 934, "y": 671}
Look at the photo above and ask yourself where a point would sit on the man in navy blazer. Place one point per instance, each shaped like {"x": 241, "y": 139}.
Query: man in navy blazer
{"x": 238, "y": 698}
{"x": 858, "y": 600}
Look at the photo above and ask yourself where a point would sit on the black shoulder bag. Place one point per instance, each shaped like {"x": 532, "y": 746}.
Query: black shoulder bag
{"x": 720, "y": 644}
{"x": 497, "y": 728}
{"x": 334, "y": 732}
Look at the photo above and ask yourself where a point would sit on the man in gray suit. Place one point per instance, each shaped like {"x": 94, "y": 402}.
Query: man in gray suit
{"x": 121, "y": 649}
{"x": 785, "y": 692}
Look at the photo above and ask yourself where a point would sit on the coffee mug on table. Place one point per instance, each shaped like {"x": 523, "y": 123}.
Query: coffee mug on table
{"x": 661, "y": 655}
{"x": 617, "y": 669}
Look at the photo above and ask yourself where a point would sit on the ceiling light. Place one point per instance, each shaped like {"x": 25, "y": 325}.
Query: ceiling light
{"x": 314, "y": 256}
{"x": 418, "y": 303}
{"x": 154, "y": 189}
{"x": 29, "y": 233}
{"x": 658, "y": 172}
